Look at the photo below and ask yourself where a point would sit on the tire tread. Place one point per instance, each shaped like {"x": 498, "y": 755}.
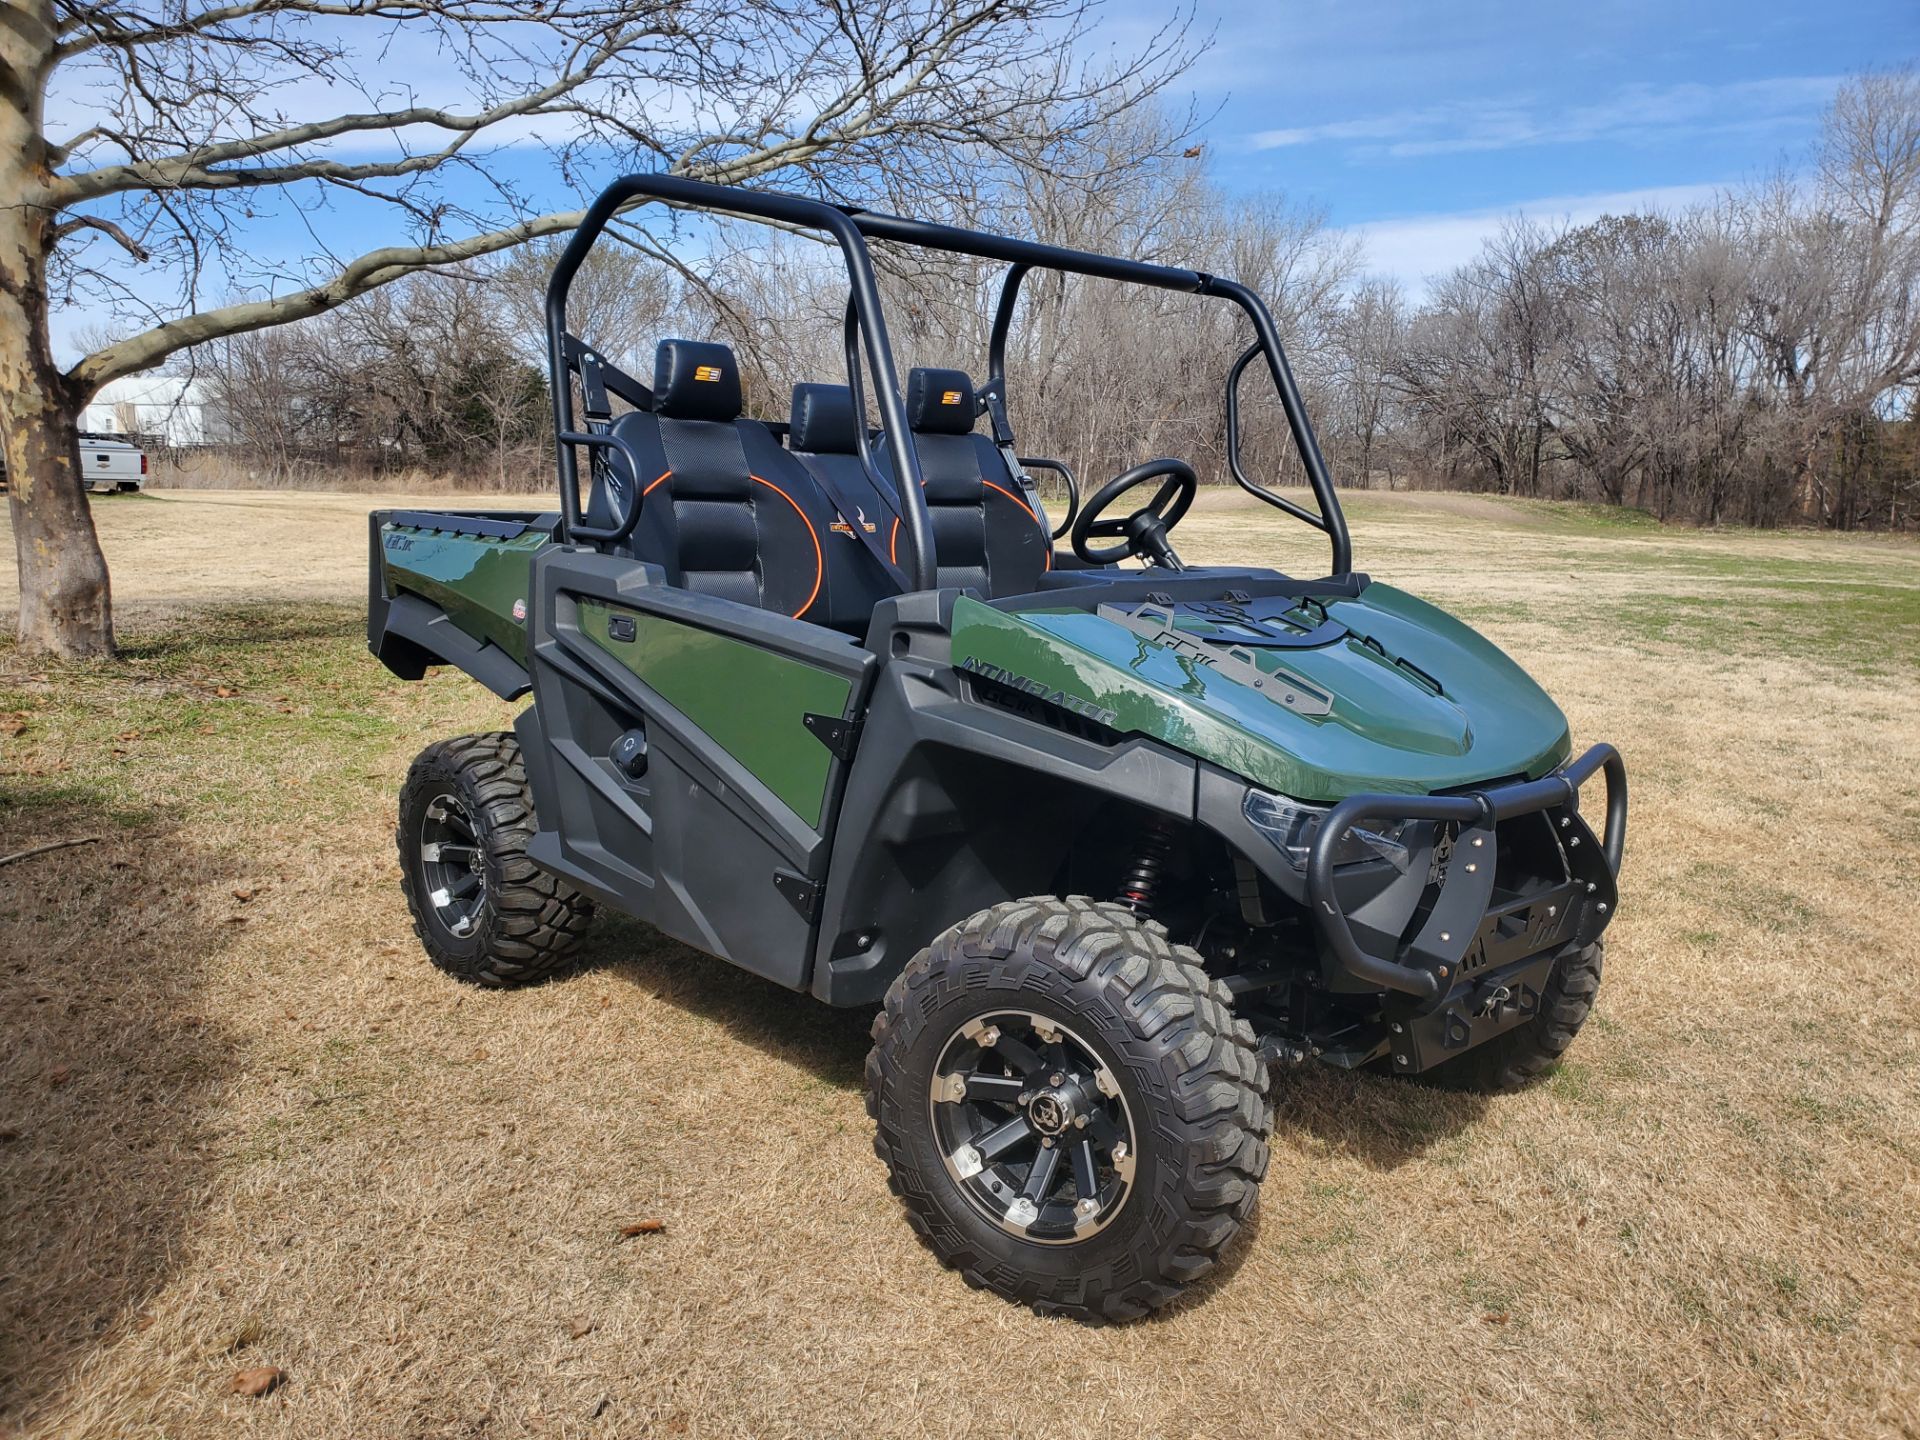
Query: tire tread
{"x": 1178, "y": 1018}
{"x": 534, "y": 919}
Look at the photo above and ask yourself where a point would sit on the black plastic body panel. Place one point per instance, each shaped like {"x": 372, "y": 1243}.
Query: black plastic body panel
{"x": 954, "y": 805}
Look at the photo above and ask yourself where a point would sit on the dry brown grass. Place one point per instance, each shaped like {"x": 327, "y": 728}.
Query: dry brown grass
{"x": 263, "y": 1131}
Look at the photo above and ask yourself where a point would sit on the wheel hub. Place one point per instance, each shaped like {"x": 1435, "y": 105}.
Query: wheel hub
{"x": 451, "y": 866}
{"x": 1051, "y": 1112}
{"x": 1033, "y": 1127}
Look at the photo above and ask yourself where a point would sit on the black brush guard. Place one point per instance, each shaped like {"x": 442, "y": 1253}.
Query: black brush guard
{"x": 1476, "y": 963}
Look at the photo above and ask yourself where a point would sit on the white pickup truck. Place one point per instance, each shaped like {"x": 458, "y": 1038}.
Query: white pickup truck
{"x": 107, "y": 462}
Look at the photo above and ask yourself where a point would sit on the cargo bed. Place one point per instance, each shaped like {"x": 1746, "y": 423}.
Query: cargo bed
{"x": 449, "y": 587}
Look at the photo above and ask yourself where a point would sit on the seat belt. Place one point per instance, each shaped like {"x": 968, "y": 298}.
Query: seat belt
{"x": 1002, "y": 428}
{"x": 850, "y": 511}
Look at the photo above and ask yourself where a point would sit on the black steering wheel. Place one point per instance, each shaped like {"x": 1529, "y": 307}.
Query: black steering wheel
{"x": 1144, "y": 532}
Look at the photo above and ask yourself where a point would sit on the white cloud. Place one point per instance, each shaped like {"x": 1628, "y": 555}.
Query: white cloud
{"x": 1414, "y": 248}
{"x": 1631, "y": 111}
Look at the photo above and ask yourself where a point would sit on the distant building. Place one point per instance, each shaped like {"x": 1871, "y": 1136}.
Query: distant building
{"x": 170, "y": 409}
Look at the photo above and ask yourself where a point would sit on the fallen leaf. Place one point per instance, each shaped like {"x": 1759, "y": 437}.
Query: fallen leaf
{"x": 244, "y": 895}
{"x": 223, "y": 692}
{"x": 236, "y": 919}
{"x": 60, "y": 1074}
{"x": 642, "y": 1227}
{"x": 581, "y": 1328}
{"x": 1581, "y": 1221}
{"x": 1496, "y": 1317}
{"x": 128, "y": 735}
{"x": 479, "y": 1055}
{"x": 257, "y": 1381}
{"x": 143, "y": 1321}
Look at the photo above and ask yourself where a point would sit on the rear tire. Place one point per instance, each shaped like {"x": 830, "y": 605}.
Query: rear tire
{"x": 483, "y": 911}
{"x": 1525, "y": 1053}
{"x": 1095, "y": 1016}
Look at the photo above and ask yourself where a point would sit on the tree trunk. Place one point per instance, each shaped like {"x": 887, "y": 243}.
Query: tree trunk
{"x": 64, "y": 605}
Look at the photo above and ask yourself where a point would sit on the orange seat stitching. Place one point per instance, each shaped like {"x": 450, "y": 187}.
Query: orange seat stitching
{"x": 819, "y": 559}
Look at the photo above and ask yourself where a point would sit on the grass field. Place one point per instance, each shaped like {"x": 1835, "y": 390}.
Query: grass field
{"x": 242, "y": 1121}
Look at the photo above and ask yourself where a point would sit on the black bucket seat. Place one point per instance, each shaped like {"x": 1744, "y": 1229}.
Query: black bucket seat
{"x": 723, "y": 509}
{"x": 986, "y": 535}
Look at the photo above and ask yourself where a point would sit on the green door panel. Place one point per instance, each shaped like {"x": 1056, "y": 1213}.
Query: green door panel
{"x": 749, "y": 701}
{"x": 1385, "y": 730}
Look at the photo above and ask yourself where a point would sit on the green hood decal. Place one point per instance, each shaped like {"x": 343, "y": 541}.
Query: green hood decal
{"x": 1322, "y": 723}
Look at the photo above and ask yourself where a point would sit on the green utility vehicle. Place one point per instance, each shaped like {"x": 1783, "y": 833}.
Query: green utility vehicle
{"x": 1102, "y": 843}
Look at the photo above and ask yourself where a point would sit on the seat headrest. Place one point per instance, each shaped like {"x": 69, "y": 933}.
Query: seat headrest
{"x": 822, "y": 421}
{"x": 695, "y": 380}
{"x": 939, "y": 402}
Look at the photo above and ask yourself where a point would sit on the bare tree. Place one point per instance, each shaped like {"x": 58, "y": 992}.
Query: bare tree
{"x": 621, "y": 296}
{"x": 1835, "y": 305}
{"x": 191, "y": 130}
{"x": 1369, "y": 337}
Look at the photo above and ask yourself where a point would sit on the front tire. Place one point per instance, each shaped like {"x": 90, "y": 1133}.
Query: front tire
{"x": 1075, "y": 1023}
{"x": 484, "y": 912}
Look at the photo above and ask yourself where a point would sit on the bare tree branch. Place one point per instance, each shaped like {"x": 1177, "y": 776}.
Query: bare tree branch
{"x": 105, "y": 227}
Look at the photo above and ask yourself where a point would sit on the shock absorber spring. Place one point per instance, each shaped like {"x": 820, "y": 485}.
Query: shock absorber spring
{"x": 1140, "y": 884}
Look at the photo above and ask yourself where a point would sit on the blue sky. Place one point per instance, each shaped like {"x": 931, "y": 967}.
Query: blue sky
{"x": 1417, "y": 126}
{"x": 1421, "y": 125}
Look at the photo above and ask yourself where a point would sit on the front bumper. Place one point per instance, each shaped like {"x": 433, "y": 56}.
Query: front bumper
{"x": 1485, "y": 938}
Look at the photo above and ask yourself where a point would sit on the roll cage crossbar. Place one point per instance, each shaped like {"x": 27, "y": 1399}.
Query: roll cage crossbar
{"x": 850, "y": 228}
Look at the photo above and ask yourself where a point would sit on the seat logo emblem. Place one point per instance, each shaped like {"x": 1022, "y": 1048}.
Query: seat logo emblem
{"x": 706, "y": 372}
{"x": 950, "y": 397}
{"x": 841, "y": 527}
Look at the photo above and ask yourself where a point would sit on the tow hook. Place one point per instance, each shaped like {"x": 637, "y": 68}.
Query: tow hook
{"x": 1492, "y": 999}
{"x": 1492, "y": 1004}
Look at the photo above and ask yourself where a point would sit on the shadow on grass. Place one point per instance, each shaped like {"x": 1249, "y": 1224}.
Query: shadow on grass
{"x": 234, "y": 631}
{"x": 828, "y": 1043}
{"x": 1379, "y": 1120}
{"x": 113, "y": 1062}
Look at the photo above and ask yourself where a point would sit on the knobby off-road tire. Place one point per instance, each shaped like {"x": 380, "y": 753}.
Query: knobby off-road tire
{"x": 483, "y": 911}
{"x": 1161, "y": 1035}
{"x": 1523, "y": 1054}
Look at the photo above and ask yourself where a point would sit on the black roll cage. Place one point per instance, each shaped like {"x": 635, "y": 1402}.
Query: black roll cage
{"x": 851, "y": 227}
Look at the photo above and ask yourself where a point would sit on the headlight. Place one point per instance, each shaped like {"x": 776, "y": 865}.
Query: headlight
{"x": 1292, "y": 825}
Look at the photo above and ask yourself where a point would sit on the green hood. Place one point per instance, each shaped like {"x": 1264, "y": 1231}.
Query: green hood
{"x": 1384, "y": 727}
